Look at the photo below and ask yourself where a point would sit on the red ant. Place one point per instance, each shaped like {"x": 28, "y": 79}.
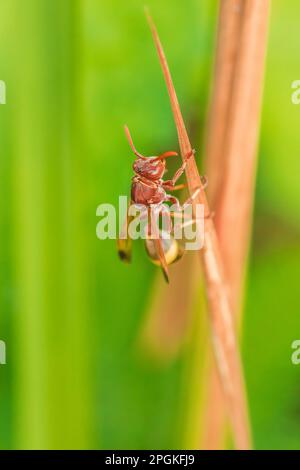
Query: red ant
{"x": 149, "y": 190}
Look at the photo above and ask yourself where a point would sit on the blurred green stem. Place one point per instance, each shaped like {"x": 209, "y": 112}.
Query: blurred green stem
{"x": 52, "y": 348}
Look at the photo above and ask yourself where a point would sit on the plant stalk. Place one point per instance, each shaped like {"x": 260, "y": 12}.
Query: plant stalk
{"x": 221, "y": 319}
{"x": 231, "y": 159}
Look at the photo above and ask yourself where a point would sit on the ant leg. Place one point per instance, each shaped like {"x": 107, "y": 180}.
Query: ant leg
{"x": 197, "y": 191}
{"x": 169, "y": 187}
{"x": 166, "y": 155}
{"x": 152, "y": 214}
{"x": 187, "y": 223}
{"x": 193, "y": 197}
{"x": 174, "y": 188}
{"x": 139, "y": 155}
{"x": 149, "y": 216}
{"x": 166, "y": 215}
{"x": 180, "y": 171}
{"x": 192, "y": 221}
{"x": 179, "y": 215}
{"x": 164, "y": 211}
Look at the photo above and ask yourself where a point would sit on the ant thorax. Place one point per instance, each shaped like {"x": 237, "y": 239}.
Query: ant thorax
{"x": 147, "y": 192}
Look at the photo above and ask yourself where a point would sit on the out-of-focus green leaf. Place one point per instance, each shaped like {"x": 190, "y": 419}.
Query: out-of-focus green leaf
{"x": 76, "y": 71}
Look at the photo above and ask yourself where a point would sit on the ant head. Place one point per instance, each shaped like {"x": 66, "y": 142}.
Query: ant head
{"x": 151, "y": 168}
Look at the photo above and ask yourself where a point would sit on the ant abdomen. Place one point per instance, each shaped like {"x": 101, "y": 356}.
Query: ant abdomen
{"x": 172, "y": 249}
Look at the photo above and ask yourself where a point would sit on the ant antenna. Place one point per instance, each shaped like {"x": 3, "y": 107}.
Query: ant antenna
{"x": 139, "y": 155}
{"x": 166, "y": 155}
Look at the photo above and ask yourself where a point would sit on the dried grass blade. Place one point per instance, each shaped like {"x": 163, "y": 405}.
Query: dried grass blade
{"x": 223, "y": 334}
{"x": 231, "y": 157}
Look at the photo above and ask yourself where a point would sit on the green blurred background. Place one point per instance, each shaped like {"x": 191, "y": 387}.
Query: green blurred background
{"x": 71, "y": 313}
